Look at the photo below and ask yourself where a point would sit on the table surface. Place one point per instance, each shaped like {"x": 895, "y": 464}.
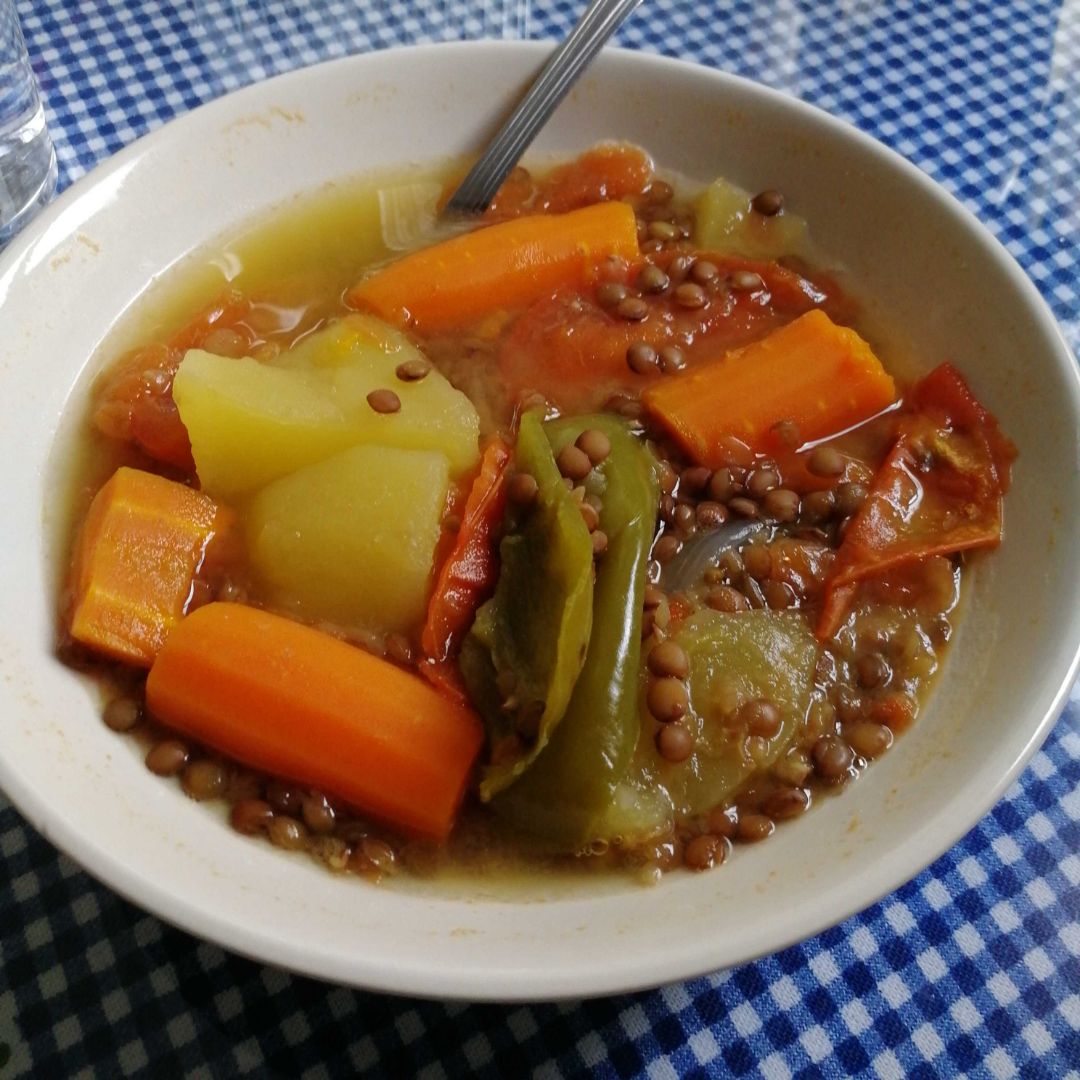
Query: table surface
{"x": 971, "y": 968}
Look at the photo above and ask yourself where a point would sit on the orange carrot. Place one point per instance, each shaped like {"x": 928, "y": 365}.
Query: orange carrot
{"x": 467, "y": 577}
{"x": 507, "y": 265}
{"x": 822, "y": 376}
{"x": 294, "y": 702}
{"x": 141, "y": 544}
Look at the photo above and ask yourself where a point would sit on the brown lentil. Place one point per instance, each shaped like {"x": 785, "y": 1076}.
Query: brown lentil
{"x": 668, "y": 477}
{"x": 669, "y": 659}
{"x": 726, "y": 598}
{"x": 522, "y": 489}
{"x": 746, "y": 281}
{"x": 284, "y": 798}
{"x": 624, "y": 405}
{"x": 204, "y": 779}
{"x": 251, "y": 816}
{"x": 384, "y": 401}
{"x": 758, "y": 560}
{"x": 679, "y": 267}
{"x": 652, "y": 279}
{"x": 787, "y": 431}
{"x": 685, "y": 518}
{"x": 667, "y": 699}
{"x": 849, "y": 497}
{"x": 318, "y": 814}
{"x": 286, "y": 832}
{"x": 654, "y": 596}
{"x": 873, "y": 670}
{"x": 867, "y": 739}
{"x": 666, "y": 548}
{"x": 167, "y": 757}
{"x": 611, "y": 293}
{"x": 592, "y": 518}
{"x": 817, "y": 506}
{"x": 710, "y": 515}
{"x": 413, "y": 370}
{"x": 781, "y": 504}
{"x": 599, "y": 543}
{"x": 786, "y": 803}
{"x": 746, "y": 508}
{"x": 632, "y": 309}
{"x": 694, "y": 479}
{"x": 641, "y": 358}
{"x": 663, "y": 230}
{"x": 825, "y": 461}
{"x": 672, "y": 359}
{"x": 573, "y": 463}
{"x": 760, "y": 482}
{"x": 722, "y": 487}
{"x": 373, "y": 856}
{"x": 721, "y": 822}
{"x": 778, "y": 595}
{"x": 704, "y": 272}
{"x": 753, "y": 828}
{"x": 659, "y": 192}
{"x": 832, "y": 757}
{"x": 768, "y": 203}
{"x": 704, "y": 852}
{"x": 594, "y": 444}
{"x": 123, "y": 713}
{"x": 690, "y": 295}
{"x": 675, "y": 743}
{"x": 760, "y": 717}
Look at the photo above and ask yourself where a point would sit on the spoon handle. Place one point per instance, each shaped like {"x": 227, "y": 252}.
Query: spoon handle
{"x": 600, "y": 20}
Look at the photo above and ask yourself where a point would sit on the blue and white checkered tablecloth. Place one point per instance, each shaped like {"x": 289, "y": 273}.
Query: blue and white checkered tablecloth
{"x": 973, "y": 968}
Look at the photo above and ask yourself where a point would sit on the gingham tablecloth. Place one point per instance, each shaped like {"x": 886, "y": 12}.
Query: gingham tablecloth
{"x": 972, "y": 968}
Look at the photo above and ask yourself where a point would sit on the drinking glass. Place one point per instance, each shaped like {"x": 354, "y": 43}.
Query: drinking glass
{"x": 27, "y": 158}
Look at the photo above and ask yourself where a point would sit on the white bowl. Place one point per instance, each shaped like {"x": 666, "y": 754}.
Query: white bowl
{"x": 937, "y": 275}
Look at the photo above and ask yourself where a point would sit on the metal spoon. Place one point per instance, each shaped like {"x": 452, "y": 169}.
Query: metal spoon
{"x": 600, "y": 20}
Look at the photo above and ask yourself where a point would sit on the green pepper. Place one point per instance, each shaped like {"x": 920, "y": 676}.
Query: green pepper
{"x": 570, "y": 784}
{"x": 522, "y": 657}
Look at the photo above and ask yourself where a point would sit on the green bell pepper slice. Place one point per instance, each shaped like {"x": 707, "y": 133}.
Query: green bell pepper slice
{"x": 533, "y": 633}
{"x": 570, "y": 784}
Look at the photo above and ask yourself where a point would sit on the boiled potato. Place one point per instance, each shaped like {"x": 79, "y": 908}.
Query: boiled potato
{"x": 359, "y": 354}
{"x": 726, "y": 224}
{"x": 250, "y": 423}
{"x": 352, "y": 539}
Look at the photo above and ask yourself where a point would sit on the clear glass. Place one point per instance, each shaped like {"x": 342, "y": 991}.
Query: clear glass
{"x": 27, "y": 158}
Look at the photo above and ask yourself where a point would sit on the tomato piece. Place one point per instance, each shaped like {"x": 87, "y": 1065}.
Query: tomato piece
{"x": 467, "y": 574}
{"x": 136, "y": 403}
{"x": 938, "y": 492}
{"x": 603, "y": 174}
{"x": 573, "y": 351}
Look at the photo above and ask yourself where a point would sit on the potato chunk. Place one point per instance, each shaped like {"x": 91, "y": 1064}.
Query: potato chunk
{"x": 351, "y": 539}
{"x": 727, "y": 224}
{"x": 359, "y": 354}
{"x": 251, "y": 422}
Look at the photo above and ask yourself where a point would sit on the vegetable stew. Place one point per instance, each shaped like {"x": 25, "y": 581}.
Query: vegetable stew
{"x": 594, "y": 531}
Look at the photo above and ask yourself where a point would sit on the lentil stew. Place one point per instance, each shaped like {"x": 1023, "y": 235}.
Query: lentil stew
{"x": 595, "y": 533}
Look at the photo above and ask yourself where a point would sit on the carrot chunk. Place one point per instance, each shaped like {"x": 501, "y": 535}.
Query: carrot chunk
{"x": 292, "y": 701}
{"x": 822, "y": 376}
{"x": 508, "y": 265}
{"x": 141, "y": 544}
